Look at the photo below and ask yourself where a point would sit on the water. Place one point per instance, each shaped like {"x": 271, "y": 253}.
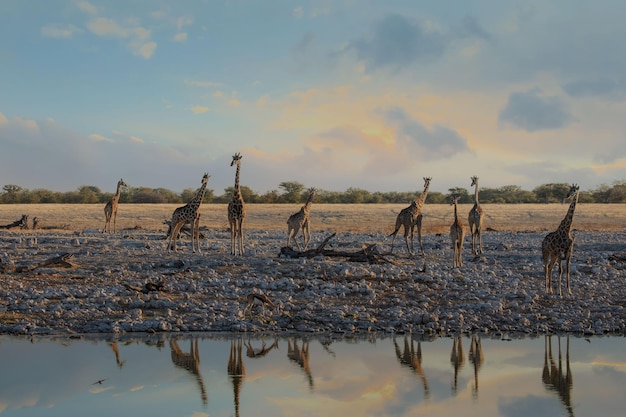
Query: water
{"x": 234, "y": 375}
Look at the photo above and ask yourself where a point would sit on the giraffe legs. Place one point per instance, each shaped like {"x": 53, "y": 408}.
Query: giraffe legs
{"x": 171, "y": 243}
{"x": 236, "y": 237}
{"x": 293, "y": 233}
{"x": 306, "y": 234}
{"x": 418, "y": 225}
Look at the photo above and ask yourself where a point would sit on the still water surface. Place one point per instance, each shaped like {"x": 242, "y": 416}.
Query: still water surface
{"x": 235, "y": 375}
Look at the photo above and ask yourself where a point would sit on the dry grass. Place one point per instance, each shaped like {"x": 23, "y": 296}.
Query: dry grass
{"x": 362, "y": 218}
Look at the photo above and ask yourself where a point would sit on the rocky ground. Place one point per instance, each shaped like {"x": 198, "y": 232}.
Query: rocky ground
{"x": 500, "y": 292}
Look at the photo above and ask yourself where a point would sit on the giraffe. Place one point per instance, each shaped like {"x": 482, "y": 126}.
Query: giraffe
{"x": 557, "y": 246}
{"x": 410, "y": 217}
{"x": 411, "y": 357}
{"x": 236, "y": 212}
{"x": 300, "y": 355}
{"x": 475, "y": 220}
{"x": 457, "y": 360}
{"x": 110, "y": 209}
{"x": 191, "y": 362}
{"x": 188, "y": 214}
{"x": 300, "y": 220}
{"x": 457, "y": 236}
{"x": 477, "y": 358}
{"x": 236, "y": 371}
{"x": 554, "y": 378}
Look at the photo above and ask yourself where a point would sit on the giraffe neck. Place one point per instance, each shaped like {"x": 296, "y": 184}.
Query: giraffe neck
{"x": 566, "y": 223}
{"x": 237, "y": 191}
{"x": 419, "y": 202}
{"x": 456, "y": 216}
{"x": 118, "y": 192}
{"x": 476, "y": 194}
{"x": 197, "y": 199}
{"x": 307, "y": 206}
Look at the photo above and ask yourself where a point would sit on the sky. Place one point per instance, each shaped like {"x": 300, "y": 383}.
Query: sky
{"x": 330, "y": 93}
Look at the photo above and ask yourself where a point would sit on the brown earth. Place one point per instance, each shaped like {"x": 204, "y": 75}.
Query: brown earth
{"x": 361, "y": 218}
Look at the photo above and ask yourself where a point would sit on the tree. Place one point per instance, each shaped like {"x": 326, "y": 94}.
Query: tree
{"x": 461, "y": 193}
{"x": 551, "y": 193}
{"x": 293, "y": 191}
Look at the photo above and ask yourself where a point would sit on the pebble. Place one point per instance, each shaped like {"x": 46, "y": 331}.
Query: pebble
{"x": 500, "y": 291}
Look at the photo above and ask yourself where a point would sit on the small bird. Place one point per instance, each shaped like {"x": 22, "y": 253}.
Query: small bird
{"x": 100, "y": 381}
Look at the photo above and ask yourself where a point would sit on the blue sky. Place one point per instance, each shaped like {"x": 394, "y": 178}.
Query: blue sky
{"x": 333, "y": 94}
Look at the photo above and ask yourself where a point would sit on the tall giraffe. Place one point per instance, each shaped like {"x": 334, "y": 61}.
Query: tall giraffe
{"x": 556, "y": 379}
{"x": 412, "y": 358}
{"x": 457, "y": 236}
{"x": 188, "y": 214}
{"x": 475, "y": 220}
{"x": 191, "y": 362}
{"x": 410, "y": 217}
{"x": 557, "y": 246}
{"x": 236, "y": 212}
{"x": 457, "y": 360}
{"x": 236, "y": 371}
{"x": 300, "y": 220}
{"x": 110, "y": 209}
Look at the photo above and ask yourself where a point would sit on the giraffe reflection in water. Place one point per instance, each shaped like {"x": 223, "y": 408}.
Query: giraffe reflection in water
{"x": 411, "y": 357}
{"x": 554, "y": 378}
{"x": 191, "y": 362}
{"x": 477, "y": 358}
{"x": 457, "y": 359}
{"x": 300, "y": 355}
{"x": 236, "y": 371}
{"x": 116, "y": 350}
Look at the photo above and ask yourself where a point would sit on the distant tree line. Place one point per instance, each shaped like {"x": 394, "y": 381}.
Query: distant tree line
{"x": 295, "y": 192}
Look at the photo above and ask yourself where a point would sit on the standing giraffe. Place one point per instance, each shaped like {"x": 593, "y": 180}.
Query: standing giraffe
{"x": 557, "y": 246}
{"x": 300, "y": 220}
{"x": 457, "y": 236}
{"x": 410, "y": 217}
{"x": 110, "y": 209}
{"x": 475, "y": 220}
{"x": 236, "y": 212}
{"x": 188, "y": 214}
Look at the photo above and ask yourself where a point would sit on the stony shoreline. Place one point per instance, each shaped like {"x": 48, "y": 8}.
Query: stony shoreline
{"x": 501, "y": 292}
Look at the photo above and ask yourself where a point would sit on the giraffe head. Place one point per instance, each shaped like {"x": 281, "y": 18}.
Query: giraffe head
{"x": 205, "y": 178}
{"x": 121, "y": 183}
{"x": 236, "y": 159}
{"x": 427, "y": 181}
{"x": 573, "y": 190}
{"x": 454, "y": 199}
{"x": 474, "y": 181}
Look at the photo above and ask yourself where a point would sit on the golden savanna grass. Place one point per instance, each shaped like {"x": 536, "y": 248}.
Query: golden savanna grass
{"x": 360, "y": 218}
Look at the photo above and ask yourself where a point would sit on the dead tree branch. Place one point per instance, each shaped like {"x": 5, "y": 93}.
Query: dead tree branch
{"x": 61, "y": 261}
{"x": 367, "y": 254}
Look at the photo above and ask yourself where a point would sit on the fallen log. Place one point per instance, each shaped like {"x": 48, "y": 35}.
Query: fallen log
{"x": 21, "y": 223}
{"x": 148, "y": 287}
{"x": 367, "y": 254}
{"x": 61, "y": 261}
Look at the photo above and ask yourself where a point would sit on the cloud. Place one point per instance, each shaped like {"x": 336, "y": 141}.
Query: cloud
{"x": 298, "y": 12}
{"x": 533, "y": 112}
{"x": 136, "y": 139}
{"x": 180, "y": 37}
{"x": 414, "y": 138}
{"x": 596, "y": 87}
{"x": 137, "y": 36}
{"x": 396, "y": 42}
{"x": 60, "y": 31}
{"x": 199, "y": 109}
{"x": 100, "y": 138}
{"x": 87, "y": 7}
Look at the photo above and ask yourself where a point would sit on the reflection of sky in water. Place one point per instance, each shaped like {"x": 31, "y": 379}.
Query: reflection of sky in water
{"x": 50, "y": 377}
